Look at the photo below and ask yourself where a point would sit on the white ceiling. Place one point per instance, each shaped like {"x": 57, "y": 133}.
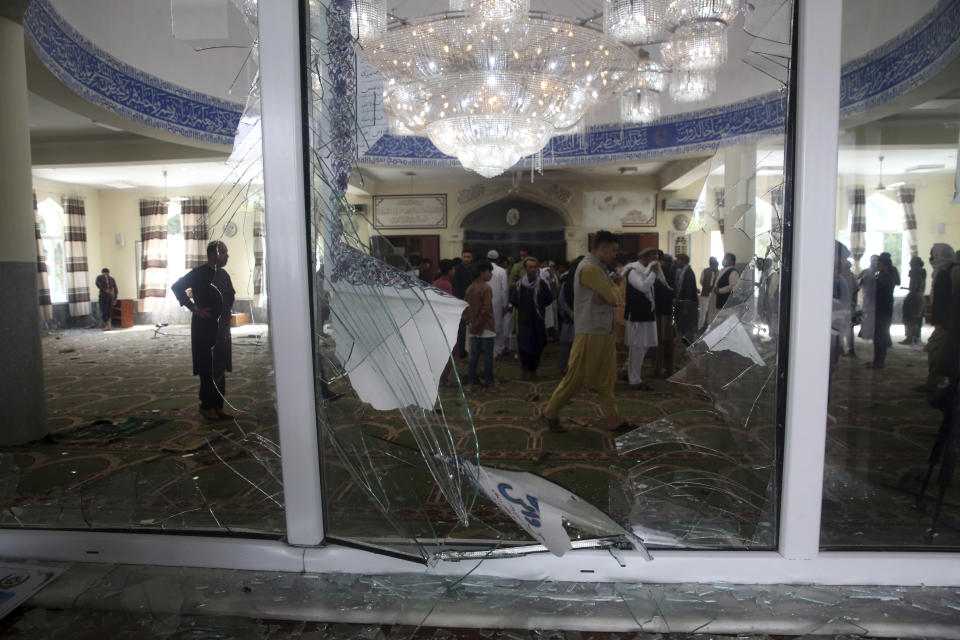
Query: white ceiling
{"x": 179, "y": 175}
{"x": 49, "y": 118}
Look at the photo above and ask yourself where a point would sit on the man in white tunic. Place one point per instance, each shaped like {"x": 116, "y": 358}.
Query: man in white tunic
{"x": 640, "y": 314}
{"x": 501, "y": 300}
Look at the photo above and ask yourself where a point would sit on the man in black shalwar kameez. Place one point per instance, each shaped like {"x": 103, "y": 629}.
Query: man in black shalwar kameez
{"x": 213, "y": 295}
{"x": 530, "y": 297}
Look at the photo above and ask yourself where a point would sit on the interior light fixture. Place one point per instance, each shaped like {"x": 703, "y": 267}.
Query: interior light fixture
{"x": 493, "y": 85}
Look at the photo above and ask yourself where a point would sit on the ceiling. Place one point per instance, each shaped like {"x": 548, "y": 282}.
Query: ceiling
{"x": 178, "y": 61}
{"x": 130, "y": 176}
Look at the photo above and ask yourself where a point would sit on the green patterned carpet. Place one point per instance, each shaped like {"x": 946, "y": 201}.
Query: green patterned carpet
{"x": 131, "y": 451}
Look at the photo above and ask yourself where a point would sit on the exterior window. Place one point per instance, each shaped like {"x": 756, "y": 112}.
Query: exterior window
{"x": 51, "y": 230}
{"x": 176, "y": 250}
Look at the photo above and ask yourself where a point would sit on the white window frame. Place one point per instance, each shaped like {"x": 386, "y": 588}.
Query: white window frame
{"x": 798, "y": 558}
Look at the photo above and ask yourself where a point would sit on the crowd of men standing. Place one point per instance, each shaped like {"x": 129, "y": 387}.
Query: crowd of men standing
{"x": 516, "y": 304}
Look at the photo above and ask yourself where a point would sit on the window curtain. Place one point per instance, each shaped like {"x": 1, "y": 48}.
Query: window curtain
{"x": 718, "y": 202}
{"x": 43, "y": 282}
{"x": 195, "y": 234}
{"x": 75, "y": 250}
{"x": 259, "y": 248}
{"x": 153, "y": 263}
{"x": 857, "y": 198}
{"x": 907, "y": 193}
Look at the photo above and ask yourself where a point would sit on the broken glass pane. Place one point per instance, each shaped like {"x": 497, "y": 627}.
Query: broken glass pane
{"x": 406, "y": 446}
{"x": 127, "y": 448}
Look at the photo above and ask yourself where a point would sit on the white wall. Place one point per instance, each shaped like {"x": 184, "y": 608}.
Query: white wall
{"x": 451, "y": 238}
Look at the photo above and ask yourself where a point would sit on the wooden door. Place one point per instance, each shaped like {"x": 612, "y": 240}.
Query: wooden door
{"x": 412, "y": 248}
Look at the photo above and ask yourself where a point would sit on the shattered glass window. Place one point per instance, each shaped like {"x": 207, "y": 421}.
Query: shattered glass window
{"x": 421, "y": 458}
{"x": 890, "y": 476}
{"x": 126, "y": 447}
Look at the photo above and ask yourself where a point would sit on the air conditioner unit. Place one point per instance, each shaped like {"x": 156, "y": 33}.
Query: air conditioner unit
{"x": 678, "y": 204}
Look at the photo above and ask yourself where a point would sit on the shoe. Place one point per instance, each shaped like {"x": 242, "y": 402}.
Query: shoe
{"x": 622, "y": 427}
{"x": 553, "y": 424}
{"x": 223, "y": 415}
{"x": 643, "y": 386}
{"x": 493, "y": 386}
{"x": 908, "y": 341}
{"x": 209, "y": 414}
{"x": 850, "y": 354}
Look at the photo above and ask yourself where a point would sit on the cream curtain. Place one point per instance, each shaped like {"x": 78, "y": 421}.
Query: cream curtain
{"x": 195, "y": 234}
{"x": 259, "y": 250}
{"x": 153, "y": 263}
{"x": 75, "y": 250}
{"x": 857, "y": 198}
{"x": 907, "y": 193}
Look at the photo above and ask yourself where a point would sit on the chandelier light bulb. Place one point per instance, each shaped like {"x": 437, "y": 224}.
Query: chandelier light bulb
{"x": 636, "y": 21}
{"x": 368, "y": 19}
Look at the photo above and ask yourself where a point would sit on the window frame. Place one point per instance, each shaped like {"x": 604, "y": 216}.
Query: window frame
{"x": 798, "y": 558}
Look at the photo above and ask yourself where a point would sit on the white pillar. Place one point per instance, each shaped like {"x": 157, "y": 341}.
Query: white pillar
{"x": 21, "y": 383}
{"x": 288, "y": 269}
{"x": 814, "y": 205}
{"x": 740, "y": 193}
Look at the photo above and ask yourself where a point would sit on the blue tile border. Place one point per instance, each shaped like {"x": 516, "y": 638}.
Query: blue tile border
{"x": 114, "y": 85}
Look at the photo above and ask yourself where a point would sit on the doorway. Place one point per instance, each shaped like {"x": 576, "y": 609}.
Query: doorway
{"x": 514, "y": 223}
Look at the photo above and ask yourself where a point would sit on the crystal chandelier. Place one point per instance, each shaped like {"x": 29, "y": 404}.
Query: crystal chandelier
{"x": 699, "y": 46}
{"x": 686, "y": 11}
{"x": 642, "y": 103}
{"x": 493, "y": 10}
{"x": 492, "y": 85}
{"x": 692, "y": 86}
{"x": 636, "y": 21}
{"x": 368, "y": 19}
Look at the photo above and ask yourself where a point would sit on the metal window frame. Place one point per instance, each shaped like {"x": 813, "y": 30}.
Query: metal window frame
{"x": 798, "y": 559}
